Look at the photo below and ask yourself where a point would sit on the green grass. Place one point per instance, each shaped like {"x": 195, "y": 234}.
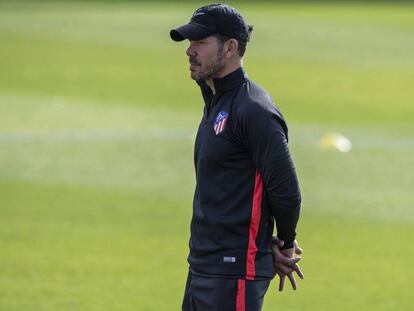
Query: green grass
{"x": 97, "y": 120}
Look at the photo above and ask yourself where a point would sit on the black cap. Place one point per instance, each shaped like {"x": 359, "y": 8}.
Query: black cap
{"x": 213, "y": 19}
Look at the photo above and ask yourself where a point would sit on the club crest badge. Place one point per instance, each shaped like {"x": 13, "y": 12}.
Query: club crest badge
{"x": 220, "y": 122}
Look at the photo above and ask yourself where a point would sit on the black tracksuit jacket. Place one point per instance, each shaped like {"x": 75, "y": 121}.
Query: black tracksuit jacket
{"x": 246, "y": 182}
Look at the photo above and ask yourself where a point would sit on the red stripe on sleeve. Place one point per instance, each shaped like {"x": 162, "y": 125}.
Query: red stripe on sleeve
{"x": 254, "y": 227}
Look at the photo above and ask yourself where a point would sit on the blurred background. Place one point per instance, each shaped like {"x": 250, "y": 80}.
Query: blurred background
{"x": 97, "y": 120}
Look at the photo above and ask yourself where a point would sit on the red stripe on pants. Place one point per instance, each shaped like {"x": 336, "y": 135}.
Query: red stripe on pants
{"x": 254, "y": 227}
{"x": 241, "y": 295}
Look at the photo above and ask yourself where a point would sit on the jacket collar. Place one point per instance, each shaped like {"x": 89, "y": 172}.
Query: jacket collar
{"x": 226, "y": 83}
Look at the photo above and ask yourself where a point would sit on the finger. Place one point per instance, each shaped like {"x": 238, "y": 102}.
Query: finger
{"x": 286, "y": 260}
{"x": 282, "y": 282}
{"x": 283, "y": 268}
{"x": 287, "y": 263}
{"x": 298, "y": 249}
{"x": 282, "y": 252}
{"x": 297, "y": 269}
{"x": 292, "y": 280}
{"x": 279, "y": 272}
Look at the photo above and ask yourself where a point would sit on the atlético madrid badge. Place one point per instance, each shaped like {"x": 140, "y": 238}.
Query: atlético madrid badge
{"x": 220, "y": 122}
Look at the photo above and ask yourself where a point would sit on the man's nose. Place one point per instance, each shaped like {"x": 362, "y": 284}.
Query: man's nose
{"x": 190, "y": 51}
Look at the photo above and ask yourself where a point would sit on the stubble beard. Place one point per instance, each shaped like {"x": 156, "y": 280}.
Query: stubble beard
{"x": 210, "y": 69}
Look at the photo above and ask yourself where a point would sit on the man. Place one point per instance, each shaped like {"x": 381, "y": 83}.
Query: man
{"x": 245, "y": 177}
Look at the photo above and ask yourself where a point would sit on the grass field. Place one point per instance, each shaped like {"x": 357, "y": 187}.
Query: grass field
{"x": 97, "y": 119}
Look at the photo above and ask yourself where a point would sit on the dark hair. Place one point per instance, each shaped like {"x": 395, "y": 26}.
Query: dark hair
{"x": 241, "y": 44}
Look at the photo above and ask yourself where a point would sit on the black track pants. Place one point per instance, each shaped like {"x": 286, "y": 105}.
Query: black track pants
{"x": 222, "y": 294}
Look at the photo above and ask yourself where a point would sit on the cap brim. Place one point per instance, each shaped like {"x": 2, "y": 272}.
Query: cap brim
{"x": 190, "y": 32}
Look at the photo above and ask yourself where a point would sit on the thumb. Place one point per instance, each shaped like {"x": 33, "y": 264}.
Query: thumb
{"x": 298, "y": 249}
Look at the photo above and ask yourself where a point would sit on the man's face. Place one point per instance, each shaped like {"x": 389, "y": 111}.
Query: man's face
{"x": 206, "y": 58}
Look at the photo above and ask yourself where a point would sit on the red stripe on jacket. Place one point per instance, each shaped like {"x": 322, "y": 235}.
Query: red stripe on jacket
{"x": 254, "y": 227}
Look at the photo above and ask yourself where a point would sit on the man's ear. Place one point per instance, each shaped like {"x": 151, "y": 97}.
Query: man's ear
{"x": 232, "y": 47}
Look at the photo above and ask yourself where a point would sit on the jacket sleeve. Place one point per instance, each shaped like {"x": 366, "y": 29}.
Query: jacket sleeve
{"x": 266, "y": 141}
